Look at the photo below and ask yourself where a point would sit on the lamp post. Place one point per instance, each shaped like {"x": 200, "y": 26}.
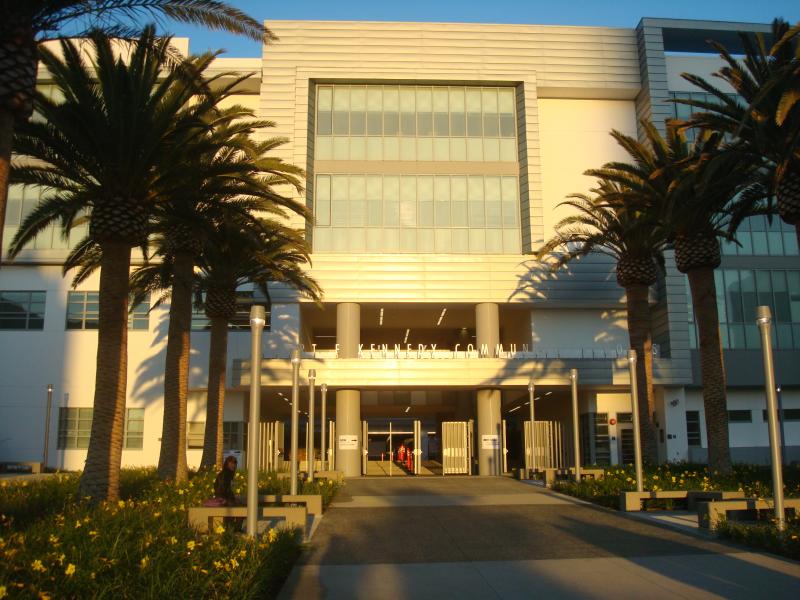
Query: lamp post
{"x": 323, "y": 390}
{"x": 312, "y": 375}
{"x": 637, "y": 436}
{"x": 257, "y": 321}
{"x": 295, "y": 418}
{"x": 46, "y": 450}
{"x": 531, "y": 391}
{"x": 764, "y": 320}
{"x": 576, "y": 446}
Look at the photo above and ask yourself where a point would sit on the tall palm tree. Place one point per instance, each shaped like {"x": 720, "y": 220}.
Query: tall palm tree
{"x": 242, "y": 254}
{"x": 765, "y": 124}
{"x": 104, "y": 149}
{"x": 615, "y": 222}
{"x": 24, "y": 24}
{"x": 230, "y": 179}
{"x": 695, "y": 187}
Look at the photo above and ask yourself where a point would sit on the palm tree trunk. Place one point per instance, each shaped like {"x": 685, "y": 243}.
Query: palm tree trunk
{"x": 712, "y": 368}
{"x": 641, "y": 339}
{"x": 100, "y": 478}
{"x": 217, "y": 359}
{"x": 6, "y": 138}
{"x": 172, "y": 460}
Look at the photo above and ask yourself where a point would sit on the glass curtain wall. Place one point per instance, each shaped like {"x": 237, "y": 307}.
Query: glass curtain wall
{"x": 470, "y": 205}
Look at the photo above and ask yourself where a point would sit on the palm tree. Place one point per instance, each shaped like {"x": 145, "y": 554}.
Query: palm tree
{"x": 765, "y": 124}
{"x": 225, "y": 179}
{"x": 242, "y": 254}
{"x": 24, "y": 24}
{"x": 695, "y": 188}
{"x": 613, "y": 221}
{"x": 104, "y": 149}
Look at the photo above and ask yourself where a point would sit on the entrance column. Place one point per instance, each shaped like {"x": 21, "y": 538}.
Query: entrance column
{"x": 348, "y": 402}
{"x": 487, "y": 331}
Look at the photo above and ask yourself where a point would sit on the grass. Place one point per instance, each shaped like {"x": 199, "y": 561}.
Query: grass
{"x": 56, "y": 544}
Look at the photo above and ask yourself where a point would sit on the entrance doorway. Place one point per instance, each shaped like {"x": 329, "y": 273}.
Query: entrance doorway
{"x": 394, "y": 448}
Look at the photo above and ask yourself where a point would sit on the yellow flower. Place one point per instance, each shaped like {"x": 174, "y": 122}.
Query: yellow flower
{"x": 3, "y": 591}
{"x": 234, "y": 563}
{"x": 38, "y": 566}
{"x": 78, "y": 524}
{"x": 190, "y": 545}
{"x": 70, "y": 570}
{"x": 121, "y": 503}
{"x": 217, "y": 564}
{"x": 172, "y": 541}
{"x": 157, "y": 514}
{"x": 272, "y": 535}
{"x": 219, "y": 529}
{"x": 93, "y": 533}
{"x": 242, "y": 553}
{"x": 144, "y": 562}
{"x": 53, "y": 540}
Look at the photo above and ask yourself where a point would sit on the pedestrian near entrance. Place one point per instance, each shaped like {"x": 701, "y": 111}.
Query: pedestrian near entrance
{"x": 401, "y": 453}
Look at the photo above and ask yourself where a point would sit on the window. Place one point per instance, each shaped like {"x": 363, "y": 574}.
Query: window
{"x": 595, "y": 440}
{"x": 424, "y": 123}
{"x": 740, "y": 416}
{"x": 83, "y": 312}
{"x": 738, "y": 294}
{"x": 233, "y": 435}
{"x": 22, "y": 310}
{"x": 74, "y": 427}
{"x": 21, "y": 202}
{"x": 625, "y": 417}
{"x": 787, "y": 414}
{"x": 693, "y": 437}
{"x": 417, "y": 213}
{"x": 195, "y": 434}
{"x": 241, "y": 321}
{"x": 134, "y": 429}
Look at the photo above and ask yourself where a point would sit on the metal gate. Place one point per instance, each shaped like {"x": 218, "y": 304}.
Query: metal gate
{"x": 456, "y": 448}
{"x": 417, "y": 446}
{"x": 271, "y": 454}
{"x": 549, "y": 451}
{"x": 331, "y": 466}
{"x": 364, "y": 447}
{"x": 505, "y": 449}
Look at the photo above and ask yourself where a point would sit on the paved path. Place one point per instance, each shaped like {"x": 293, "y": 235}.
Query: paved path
{"x": 498, "y": 538}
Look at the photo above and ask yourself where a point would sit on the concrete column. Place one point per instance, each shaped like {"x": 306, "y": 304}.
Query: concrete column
{"x": 487, "y": 331}
{"x": 348, "y": 402}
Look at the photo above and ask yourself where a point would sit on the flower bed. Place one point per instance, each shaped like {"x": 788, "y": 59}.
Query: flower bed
{"x": 765, "y": 535}
{"x": 54, "y": 544}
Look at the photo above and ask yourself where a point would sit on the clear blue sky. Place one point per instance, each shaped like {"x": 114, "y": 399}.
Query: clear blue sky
{"x": 615, "y": 13}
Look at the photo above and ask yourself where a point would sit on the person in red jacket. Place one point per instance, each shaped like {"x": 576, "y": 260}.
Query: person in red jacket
{"x": 401, "y": 453}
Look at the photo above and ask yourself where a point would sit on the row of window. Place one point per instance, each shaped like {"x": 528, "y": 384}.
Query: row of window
{"x": 694, "y": 436}
{"x": 20, "y": 310}
{"x": 75, "y": 429}
{"x": 739, "y": 292}
{"x": 757, "y": 236}
{"x": 415, "y": 111}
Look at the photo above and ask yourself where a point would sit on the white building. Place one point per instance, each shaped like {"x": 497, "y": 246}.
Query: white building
{"x": 436, "y": 157}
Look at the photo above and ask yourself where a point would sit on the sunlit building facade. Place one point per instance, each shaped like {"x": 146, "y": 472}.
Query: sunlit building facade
{"x": 436, "y": 157}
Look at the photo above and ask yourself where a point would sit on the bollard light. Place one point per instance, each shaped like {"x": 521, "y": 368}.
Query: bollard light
{"x": 323, "y": 391}
{"x": 637, "y": 435}
{"x": 312, "y": 375}
{"x": 46, "y": 450}
{"x": 576, "y": 444}
{"x": 257, "y": 322}
{"x": 764, "y": 321}
{"x": 531, "y": 391}
{"x": 295, "y": 419}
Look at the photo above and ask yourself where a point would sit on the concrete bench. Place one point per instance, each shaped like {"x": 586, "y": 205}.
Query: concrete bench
{"x": 204, "y": 518}
{"x": 550, "y": 475}
{"x": 710, "y": 514}
{"x": 632, "y": 501}
{"x": 21, "y": 466}
{"x": 313, "y": 502}
{"x": 336, "y": 476}
{"x": 695, "y": 497}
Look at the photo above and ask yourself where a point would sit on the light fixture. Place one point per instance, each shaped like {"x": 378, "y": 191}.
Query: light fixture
{"x": 408, "y": 408}
{"x": 380, "y": 318}
{"x": 548, "y": 393}
{"x": 516, "y": 408}
{"x": 441, "y": 316}
{"x": 405, "y": 339}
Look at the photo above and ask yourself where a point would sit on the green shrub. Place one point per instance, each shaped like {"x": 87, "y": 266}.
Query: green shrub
{"x": 765, "y": 535}
{"x": 53, "y": 543}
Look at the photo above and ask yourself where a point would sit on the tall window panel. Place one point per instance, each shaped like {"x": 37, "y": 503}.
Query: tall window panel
{"x": 241, "y": 320}
{"x": 22, "y": 310}
{"x": 415, "y": 123}
{"x": 74, "y": 427}
{"x": 83, "y": 312}
{"x": 21, "y": 202}
{"x": 134, "y": 429}
{"x": 739, "y": 292}
{"x": 473, "y": 214}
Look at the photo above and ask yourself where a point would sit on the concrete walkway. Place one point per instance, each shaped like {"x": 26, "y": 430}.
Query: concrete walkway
{"x": 498, "y": 538}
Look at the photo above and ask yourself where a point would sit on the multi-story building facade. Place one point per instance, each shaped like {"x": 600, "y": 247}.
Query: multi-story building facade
{"x": 436, "y": 158}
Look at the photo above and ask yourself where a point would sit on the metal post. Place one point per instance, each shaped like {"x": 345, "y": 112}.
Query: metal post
{"x": 764, "y": 320}
{"x": 637, "y": 436}
{"x": 312, "y": 375}
{"x": 323, "y": 390}
{"x": 46, "y": 451}
{"x": 531, "y": 391}
{"x": 576, "y": 445}
{"x": 257, "y": 321}
{"x": 295, "y": 419}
